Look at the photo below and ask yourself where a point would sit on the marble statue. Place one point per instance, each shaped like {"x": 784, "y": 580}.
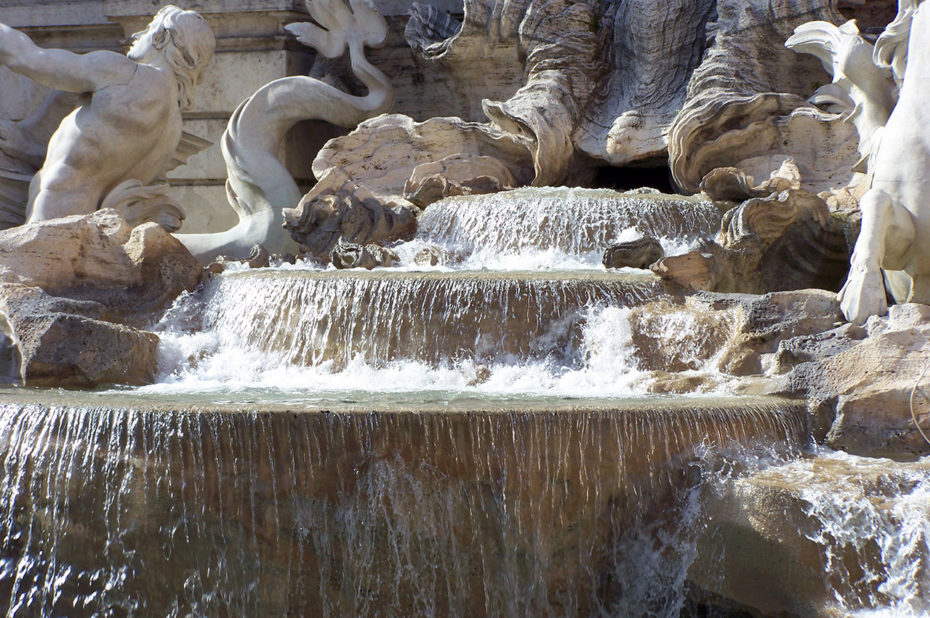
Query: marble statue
{"x": 258, "y": 185}
{"x": 894, "y": 211}
{"x": 127, "y": 128}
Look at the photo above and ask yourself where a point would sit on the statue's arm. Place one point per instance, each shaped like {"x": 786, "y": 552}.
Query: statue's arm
{"x": 61, "y": 69}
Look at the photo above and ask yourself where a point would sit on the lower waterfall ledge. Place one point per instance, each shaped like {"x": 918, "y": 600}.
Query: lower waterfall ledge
{"x": 210, "y": 510}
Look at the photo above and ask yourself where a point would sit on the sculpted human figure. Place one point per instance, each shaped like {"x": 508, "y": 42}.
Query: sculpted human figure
{"x": 128, "y": 124}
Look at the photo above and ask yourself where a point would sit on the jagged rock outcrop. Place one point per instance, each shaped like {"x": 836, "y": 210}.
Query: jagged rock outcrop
{"x": 51, "y": 341}
{"x": 384, "y": 153}
{"x": 101, "y": 258}
{"x": 640, "y": 253}
{"x": 818, "y": 536}
{"x": 73, "y": 292}
{"x": 746, "y": 104}
{"x": 872, "y": 384}
{"x": 867, "y": 387}
{"x": 786, "y": 241}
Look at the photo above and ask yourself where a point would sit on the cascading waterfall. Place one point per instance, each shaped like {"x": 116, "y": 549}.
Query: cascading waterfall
{"x": 313, "y": 317}
{"x": 119, "y": 511}
{"x": 473, "y": 438}
{"x": 528, "y": 228}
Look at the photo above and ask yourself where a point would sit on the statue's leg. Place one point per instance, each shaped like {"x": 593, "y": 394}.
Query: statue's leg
{"x": 920, "y": 290}
{"x": 885, "y": 225}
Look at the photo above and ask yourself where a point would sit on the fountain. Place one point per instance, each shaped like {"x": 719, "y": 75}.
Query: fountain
{"x": 496, "y": 423}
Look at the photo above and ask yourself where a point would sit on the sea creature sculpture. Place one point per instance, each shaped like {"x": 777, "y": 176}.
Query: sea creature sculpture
{"x": 895, "y": 214}
{"x": 258, "y": 185}
{"x": 127, "y": 129}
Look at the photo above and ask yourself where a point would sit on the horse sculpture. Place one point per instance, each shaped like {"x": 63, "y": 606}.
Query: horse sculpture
{"x": 895, "y": 208}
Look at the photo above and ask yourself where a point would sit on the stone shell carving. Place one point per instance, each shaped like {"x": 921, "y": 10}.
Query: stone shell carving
{"x": 747, "y": 105}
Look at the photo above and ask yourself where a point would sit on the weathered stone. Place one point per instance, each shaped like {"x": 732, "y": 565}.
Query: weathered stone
{"x": 768, "y": 320}
{"x": 350, "y": 255}
{"x": 771, "y": 537}
{"x": 873, "y": 383}
{"x": 786, "y": 241}
{"x": 639, "y": 253}
{"x": 325, "y": 217}
{"x": 99, "y": 257}
{"x": 746, "y": 106}
{"x": 53, "y": 341}
{"x": 382, "y": 154}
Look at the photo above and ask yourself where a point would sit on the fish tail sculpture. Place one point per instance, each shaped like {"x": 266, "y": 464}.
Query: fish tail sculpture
{"x": 258, "y": 185}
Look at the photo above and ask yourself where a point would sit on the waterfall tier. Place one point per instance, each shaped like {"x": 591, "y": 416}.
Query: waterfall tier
{"x": 310, "y": 318}
{"x": 169, "y": 512}
{"x": 489, "y": 230}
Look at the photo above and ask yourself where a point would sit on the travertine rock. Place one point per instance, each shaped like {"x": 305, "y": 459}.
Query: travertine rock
{"x": 746, "y": 103}
{"x": 786, "y": 241}
{"x": 99, "y": 257}
{"x": 654, "y": 50}
{"x": 599, "y": 79}
{"x": 383, "y": 153}
{"x": 871, "y": 384}
{"x": 51, "y": 341}
{"x": 327, "y": 216}
{"x": 634, "y": 254}
{"x": 819, "y": 536}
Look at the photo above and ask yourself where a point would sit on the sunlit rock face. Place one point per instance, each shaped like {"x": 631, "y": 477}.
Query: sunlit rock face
{"x": 746, "y": 104}
{"x": 72, "y": 291}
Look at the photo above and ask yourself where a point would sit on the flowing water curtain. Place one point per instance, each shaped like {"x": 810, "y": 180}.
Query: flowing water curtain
{"x": 266, "y": 513}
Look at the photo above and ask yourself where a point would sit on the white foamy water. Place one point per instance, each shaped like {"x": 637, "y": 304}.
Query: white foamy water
{"x": 602, "y": 365}
{"x": 555, "y": 227}
{"x": 869, "y": 521}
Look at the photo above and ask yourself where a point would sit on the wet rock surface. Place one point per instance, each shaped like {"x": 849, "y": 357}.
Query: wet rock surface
{"x": 820, "y": 536}
{"x": 866, "y": 388}
{"x": 349, "y": 255}
{"x": 639, "y": 253}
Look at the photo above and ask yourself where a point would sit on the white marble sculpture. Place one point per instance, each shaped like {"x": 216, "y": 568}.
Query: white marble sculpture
{"x": 894, "y": 209}
{"x": 258, "y": 185}
{"x": 127, "y": 129}
{"x": 861, "y": 89}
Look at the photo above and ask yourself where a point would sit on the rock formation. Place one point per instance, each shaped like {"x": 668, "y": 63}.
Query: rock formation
{"x": 73, "y": 292}
{"x": 784, "y": 241}
{"x": 746, "y": 104}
